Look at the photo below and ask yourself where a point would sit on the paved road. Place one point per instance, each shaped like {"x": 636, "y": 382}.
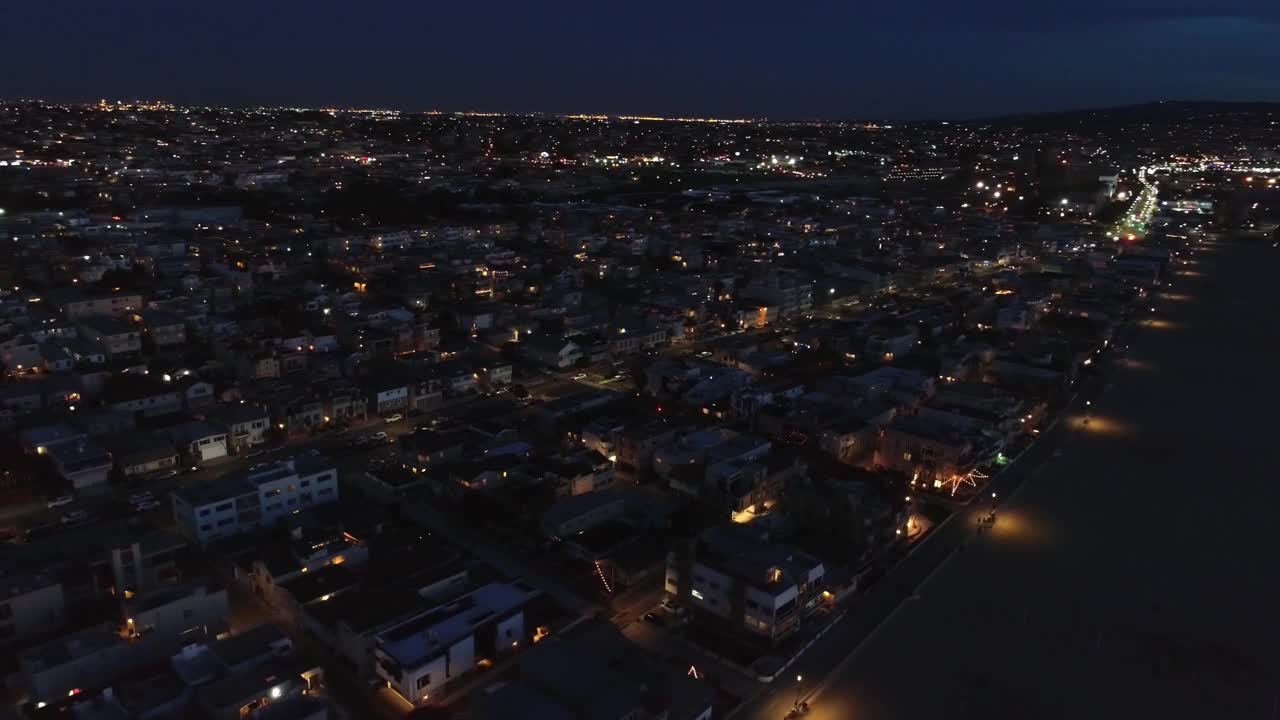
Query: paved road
{"x": 1133, "y": 577}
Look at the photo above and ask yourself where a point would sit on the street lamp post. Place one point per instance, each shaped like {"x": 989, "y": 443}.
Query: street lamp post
{"x": 799, "y": 679}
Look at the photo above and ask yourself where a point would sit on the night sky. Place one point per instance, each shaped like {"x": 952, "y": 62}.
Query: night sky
{"x": 819, "y": 59}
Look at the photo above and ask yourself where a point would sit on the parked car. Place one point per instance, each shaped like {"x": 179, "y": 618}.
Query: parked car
{"x": 393, "y": 418}
{"x": 141, "y": 497}
{"x": 380, "y": 437}
{"x": 61, "y": 500}
{"x": 672, "y": 607}
{"x": 167, "y": 475}
{"x": 146, "y": 506}
{"x": 74, "y": 516}
{"x": 654, "y": 618}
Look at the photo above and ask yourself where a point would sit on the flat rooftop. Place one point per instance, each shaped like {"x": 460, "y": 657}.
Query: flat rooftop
{"x": 422, "y": 637}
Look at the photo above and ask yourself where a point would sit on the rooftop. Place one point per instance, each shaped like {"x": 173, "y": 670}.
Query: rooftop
{"x": 411, "y": 642}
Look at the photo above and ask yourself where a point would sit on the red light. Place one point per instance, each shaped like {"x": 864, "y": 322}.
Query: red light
{"x": 659, "y": 409}
{"x": 117, "y": 218}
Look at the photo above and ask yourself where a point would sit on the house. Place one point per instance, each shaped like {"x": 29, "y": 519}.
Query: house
{"x": 628, "y": 340}
{"x": 82, "y": 463}
{"x": 574, "y": 513}
{"x": 636, "y": 446}
{"x": 117, "y": 338}
{"x": 790, "y": 292}
{"x": 495, "y": 377}
{"x": 247, "y": 425}
{"x": 297, "y": 411}
{"x": 291, "y": 596}
{"x": 690, "y": 449}
{"x": 171, "y": 615}
{"x": 592, "y": 671}
{"x": 349, "y": 623}
{"x": 927, "y": 451}
{"x": 551, "y": 352}
{"x": 141, "y": 395}
{"x": 56, "y": 358}
{"x": 139, "y": 455}
{"x": 39, "y": 440}
{"x": 344, "y": 402}
{"x": 21, "y": 354}
{"x": 732, "y": 576}
{"x": 142, "y": 562}
{"x": 423, "y": 655}
{"x": 162, "y": 330}
{"x": 195, "y": 393}
{"x": 77, "y": 305}
{"x": 387, "y": 395}
{"x": 578, "y": 473}
{"x": 258, "y": 692}
{"x": 94, "y": 657}
{"x": 255, "y": 498}
{"x": 198, "y": 441}
{"x": 284, "y": 560}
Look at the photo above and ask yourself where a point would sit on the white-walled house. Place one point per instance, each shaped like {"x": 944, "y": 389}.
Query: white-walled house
{"x": 420, "y": 656}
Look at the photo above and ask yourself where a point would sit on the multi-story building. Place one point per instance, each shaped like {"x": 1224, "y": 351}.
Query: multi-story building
{"x": 592, "y": 671}
{"x": 118, "y": 338}
{"x": 731, "y": 574}
{"x": 790, "y": 292}
{"x": 247, "y": 425}
{"x": 252, "y": 499}
{"x": 927, "y": 451}
{"x": 77, "y": 305}
{"x": 90, "y": 658}
{"x": 163, "y": 330}
{"x": 422, "y": 655}
{"x": 165, "y": 615}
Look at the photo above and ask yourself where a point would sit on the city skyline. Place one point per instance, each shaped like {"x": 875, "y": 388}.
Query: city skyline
{"x": 830, "y": 62}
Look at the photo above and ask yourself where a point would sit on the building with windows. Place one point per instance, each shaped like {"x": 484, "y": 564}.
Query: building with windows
{"x": 255, "y": 498}
{"x": 790, "y": 292}
{"x": 592, "y": 671}
{"x": 247, "y": 425}
{"x": 732, "y": 575}
{"x": 420, "y": 656}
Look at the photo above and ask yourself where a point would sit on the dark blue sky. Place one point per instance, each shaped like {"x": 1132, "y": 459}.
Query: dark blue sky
{"x": 801, "y": 59}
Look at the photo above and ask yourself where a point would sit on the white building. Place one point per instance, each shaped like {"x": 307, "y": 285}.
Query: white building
{"x": 252, "y": 499}
{"x": 419, "y": 656}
